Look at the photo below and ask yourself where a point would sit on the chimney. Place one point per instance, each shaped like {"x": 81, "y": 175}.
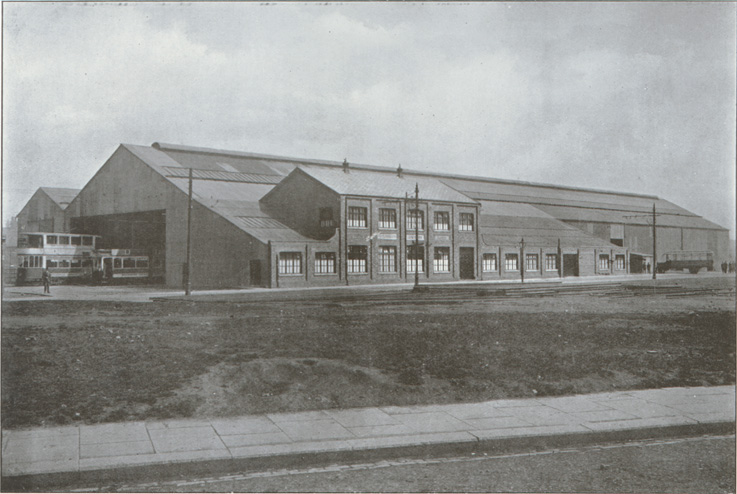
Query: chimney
{"x": 345, "y": 165}
{"x": 399, "y": 171}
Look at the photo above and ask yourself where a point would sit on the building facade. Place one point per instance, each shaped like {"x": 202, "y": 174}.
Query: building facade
{"x": 261, "y": 220}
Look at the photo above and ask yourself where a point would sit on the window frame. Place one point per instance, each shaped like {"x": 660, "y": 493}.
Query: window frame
{"x": 323, "y": 263}
{"x": 387, "y": 259}
{"x": 286, "y": 266}
{"x": 412, "y": 218}
{"x": 388, "y": 223}
{"x": 357, "y": 217}
{"x": 604, "y": 258}
{"x": 464, "y": 225}
{"x": 489, "y": 259}
{"x": 536, "y": 264}
{"x": 617, "y": 263}
{"x": 410, "y": 260}
{"x": 508, "y": 258}
{"x": 443, "y": 261}
{"x": 438, "y": 226}
{"x": 554, "y": 257}
{"x": 357, "y": 257}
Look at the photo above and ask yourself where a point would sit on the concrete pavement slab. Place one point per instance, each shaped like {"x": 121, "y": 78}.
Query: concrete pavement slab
{"x": 613, "y": 425}
{"x": 244, "y": 425}
{"x": 574, "y": 404}
{"x": 59, "y": 448}
{"x": 186, "y": 439}
{"x": 115, "y": 449}
{"x": 546, "y": 430}
{"x": 641, "y": 408}
{"x": 497, "y": 423}
{"x": 113, "y": 433}
{"x": 298, "y": 416}
{"x": 431, "y": 422}
{"x": 487, "y": 409}
{"x": 313, "y": 430}
{"x": 544, "y": 415}
{"x": 241, "y": 440}
{"x": 381, "y": 430}
{"x": 361, "y": 417}
{"x": 602, "y": 416}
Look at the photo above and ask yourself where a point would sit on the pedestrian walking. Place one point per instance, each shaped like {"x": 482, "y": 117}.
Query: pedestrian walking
{"x": 46, "y": 279}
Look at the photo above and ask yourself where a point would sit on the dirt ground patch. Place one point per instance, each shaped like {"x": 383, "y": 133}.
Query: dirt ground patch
{"x": 94, "y": 362}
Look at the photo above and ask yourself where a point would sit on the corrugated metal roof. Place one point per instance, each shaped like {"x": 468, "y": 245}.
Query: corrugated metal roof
{"x": 60, "y": 195}
{"x": 630, "y": 218}
{"x": 223, "y": 176}
{"x": 506, "y": 224}
{"x": 384, "y": 184}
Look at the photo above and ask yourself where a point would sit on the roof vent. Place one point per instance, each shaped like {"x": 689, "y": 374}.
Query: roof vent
{"x": 345, "y": 165}
{"x": 399, "y": 171}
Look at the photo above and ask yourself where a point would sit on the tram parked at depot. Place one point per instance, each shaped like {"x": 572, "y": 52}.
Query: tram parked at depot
{"x": 75, "y": 258}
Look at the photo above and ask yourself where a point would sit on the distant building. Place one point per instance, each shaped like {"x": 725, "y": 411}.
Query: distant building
{"x": 44, "y": 211}
{"x": 261, "y": 220}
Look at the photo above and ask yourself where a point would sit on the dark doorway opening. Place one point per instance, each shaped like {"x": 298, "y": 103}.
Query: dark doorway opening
{"x": 467, "y": 264}
{"x": 570, "y": 264}
{"x": 254, "y": 267}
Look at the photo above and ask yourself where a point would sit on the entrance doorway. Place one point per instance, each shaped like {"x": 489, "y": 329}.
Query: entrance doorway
{"x": 254, "y": 267}
{"x": 467, "y": 264}
{"x": 570, "y": 264}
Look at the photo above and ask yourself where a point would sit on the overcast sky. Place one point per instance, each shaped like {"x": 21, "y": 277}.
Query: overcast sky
{"x": 635, "y": 97}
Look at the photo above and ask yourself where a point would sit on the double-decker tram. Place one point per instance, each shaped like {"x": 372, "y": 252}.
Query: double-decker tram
{"x": 74, "y": 258}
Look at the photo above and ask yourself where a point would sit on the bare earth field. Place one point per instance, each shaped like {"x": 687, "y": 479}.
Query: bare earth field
{"x": 94, "y": 362}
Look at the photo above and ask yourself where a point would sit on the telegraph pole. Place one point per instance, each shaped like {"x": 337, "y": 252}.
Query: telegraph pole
{"x": 417, "y": 232}
{"x": 655, "y": 243}
{"x": 188, "y": 281}
{"x": 522, "y": 261}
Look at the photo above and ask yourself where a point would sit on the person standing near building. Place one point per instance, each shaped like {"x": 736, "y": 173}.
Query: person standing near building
{"x": 46, "y": 279}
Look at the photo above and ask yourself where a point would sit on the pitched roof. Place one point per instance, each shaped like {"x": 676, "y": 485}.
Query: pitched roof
{"x": 370, "y": 183}
{"x": 231, "y": 183}
{"x": 60, "y": 195}
{"x": 506, "y": 224}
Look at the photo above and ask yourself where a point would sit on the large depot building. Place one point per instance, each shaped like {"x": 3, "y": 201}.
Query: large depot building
{"x": 260, "y": 220}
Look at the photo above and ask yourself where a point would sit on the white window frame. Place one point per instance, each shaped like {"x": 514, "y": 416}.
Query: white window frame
{"x": 604, "y": 263}
{"x": 412, "y": 218}
{"x": 357, "y": 217}
{"x": 357, "y": 259}
{"x": 532, "y": 262}
{"x": 620, "y": 262}
{"x": 551, "y": 266}
{"x": 441, "y": 264}
{"x": 325, "y": 263}
{"x": 489, "y": 263}
{"x": 512, "y": 260}
{"x": 388, "y": 222}
{"x": 463, "y": 222}
{"x": 420, "y": 260}
{"x": 290, "y": 263}
{"x": 441, "y": 226}
{"x": 387, "y": 259}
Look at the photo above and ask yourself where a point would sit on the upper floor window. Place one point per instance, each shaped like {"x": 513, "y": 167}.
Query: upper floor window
{"x": 387, "y": 218}
{"x": 357, "y": 217}
{"x": 442, "y": 221}
{"x": 63, "y": 240}
{"x": 465, "y": 222}
{"x": 326, "y": 218}
{"x": 415, "y": 220}
{"x": 51, "y": 239}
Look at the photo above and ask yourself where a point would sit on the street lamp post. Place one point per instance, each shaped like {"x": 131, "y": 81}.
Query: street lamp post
{"x": 417, "y": 233}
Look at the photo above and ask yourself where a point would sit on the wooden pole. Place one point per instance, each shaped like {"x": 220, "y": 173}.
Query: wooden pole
{"x": 655, "y": 245}
{"x": 417, "y": 232}
{"x": 188, "y": 281}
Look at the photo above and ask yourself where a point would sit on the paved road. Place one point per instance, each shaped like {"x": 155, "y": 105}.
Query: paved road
{"x": 702, "y": 464}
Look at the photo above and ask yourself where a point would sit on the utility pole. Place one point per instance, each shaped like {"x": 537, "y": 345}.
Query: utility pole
{"x": 655, "y": 245}
{"x": 417, "y": 232}
{"x": 522, "y": 260}
{"x": 188, "y": 281}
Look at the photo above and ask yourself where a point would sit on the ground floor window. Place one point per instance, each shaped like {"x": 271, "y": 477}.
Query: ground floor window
{"x": 603, "y": 262}
{"x": 357, "y": 259}
{"x": 324, "y": 262}
{"x": 551, "y": 262}
{"x": 441, "y": 260}
{"x": 415, "y": 257}
{"x": 489, "y": 263}
{"x": 619, "y": 261}
{"x": 511, "y": 262}
{"x": 289, "y": 263}
{"x": 388, "y": 259}
{"x": 531, "y": 262}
